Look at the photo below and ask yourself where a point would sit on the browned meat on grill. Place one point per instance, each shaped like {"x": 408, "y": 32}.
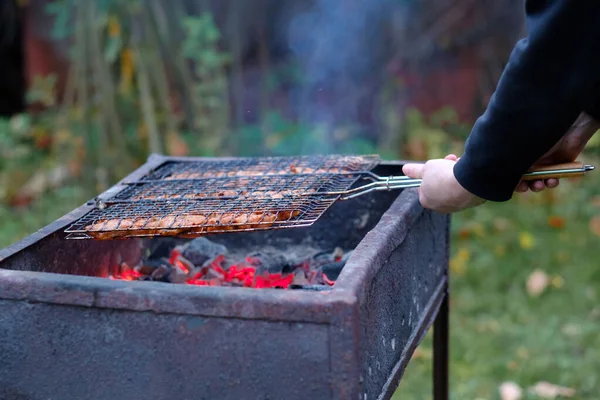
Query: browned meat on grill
{"x": 257, "y": 172}
{"x": 181, "y": 224}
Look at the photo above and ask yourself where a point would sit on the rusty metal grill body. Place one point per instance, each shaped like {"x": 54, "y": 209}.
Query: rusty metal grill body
{"x": 192, "y": 197}
{"x": 66, "y": 332}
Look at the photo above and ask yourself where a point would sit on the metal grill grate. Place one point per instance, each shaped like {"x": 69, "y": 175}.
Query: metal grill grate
{"x": 263, "y": 166}
{"x": 191, "y": 198}
{"x": 214, "y": 188}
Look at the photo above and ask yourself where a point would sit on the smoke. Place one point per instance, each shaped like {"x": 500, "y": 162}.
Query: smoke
{"x": 339, "y": 46}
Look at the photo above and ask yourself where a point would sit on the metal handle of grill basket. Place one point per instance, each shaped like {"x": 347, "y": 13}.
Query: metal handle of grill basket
{"x": 566, "y": 170}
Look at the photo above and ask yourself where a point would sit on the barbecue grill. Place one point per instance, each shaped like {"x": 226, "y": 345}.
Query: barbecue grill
{"x": 189, "y": 197}
{"x": 69, "y": 332}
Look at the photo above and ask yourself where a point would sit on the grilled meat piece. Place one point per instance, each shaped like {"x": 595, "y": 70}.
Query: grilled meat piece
{"x": 189, "y": 223}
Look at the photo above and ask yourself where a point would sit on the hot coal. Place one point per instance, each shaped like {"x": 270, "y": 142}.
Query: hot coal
{"x": 161, "y": 248}
{"x": 201, "y": 250}
{"x": 272, "y": 262}
{"x": 333, "y": 270}
{"x": 204, "y": 263}
{"x": 150, "y": 265}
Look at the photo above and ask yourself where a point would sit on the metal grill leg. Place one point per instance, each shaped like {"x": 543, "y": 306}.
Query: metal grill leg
{"x": 441, "y": 340}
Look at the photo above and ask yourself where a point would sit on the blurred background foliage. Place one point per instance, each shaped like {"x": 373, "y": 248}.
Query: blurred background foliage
{"x": 111, "y": 81}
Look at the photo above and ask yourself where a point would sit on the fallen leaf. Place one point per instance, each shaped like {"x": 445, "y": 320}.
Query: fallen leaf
{"x": 510, "y": 391}
{"x": 595, "y": 225}
{"x": 423, "y": 354}
{"x": 490, "y": 325}
{"x": 571, "y": 330}
{"x": 562, "y": 256}
{"x": 500, "y": 250}
{"x": 523, "y": 353}
{"x": 464, "y": 234}
{"x": 537, "y": 283}
{"x": 556, "y": 222}
{"x": 478, "y": 229}
{"x": 557, "y": 281}
{"x": 176, "y": 145}
{"x": 501, "y": 224}
{"x": 526, "y": 240}
{"x": 512, "y": 365}
{"x": 417, "y": 149}
{"x": 548, "y": 390}
{"x": 458, "y": 263}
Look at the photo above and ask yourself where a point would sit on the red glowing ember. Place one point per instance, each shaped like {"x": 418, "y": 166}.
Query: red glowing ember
{"x": 214, "y": 271}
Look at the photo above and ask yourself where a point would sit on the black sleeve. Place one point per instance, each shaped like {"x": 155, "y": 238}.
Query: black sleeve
{"x": 551, "y": 76}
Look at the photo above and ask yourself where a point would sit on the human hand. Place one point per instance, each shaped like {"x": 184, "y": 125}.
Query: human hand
{"x": 440, "y": 190}
{"x": 566, "y": 150}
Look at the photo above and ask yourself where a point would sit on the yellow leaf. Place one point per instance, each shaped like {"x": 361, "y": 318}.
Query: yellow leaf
{"x": 557, "y": 281}
{"x": 127, "y": 70}
{"x": 501, "y": 224}
{"x": 595, "y": 225}
{"x": 272, "y": 141}
{"x": 77, "y": 112}
{"x": 142, "y": 131}
{"x": 500, "y": 250}
{"x": 478, "y": 230}
{"x": 459, "y": 261}
{"x": 526, "y": 240}
{"x": 562, "y": 256}
{"x": 63, "y": 136}
{"x": 114, "y": 28}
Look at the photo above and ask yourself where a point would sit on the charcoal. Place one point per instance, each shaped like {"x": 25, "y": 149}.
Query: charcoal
{"x": 200, "y": 250}
{"x": 323, "y": 256}
{"x": 149, "y": 266}
{"x": 338, "y": 253}
{"x": 326, "y": 257}
{"x": 300, "y": 278}
{"x": 162, "y": 273}
{"x": 175, "y": 275}
{"x": 333, "y": 270}
{"x": 161, "y": 248}
{"x": 346, "y": 256}
{"x": 271, "y": 262}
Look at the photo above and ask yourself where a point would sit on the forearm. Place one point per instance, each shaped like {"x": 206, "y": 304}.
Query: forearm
{"x": 549, "y": 79}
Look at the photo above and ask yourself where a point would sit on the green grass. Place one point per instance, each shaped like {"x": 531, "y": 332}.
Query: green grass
{"x": 498, "y": 331}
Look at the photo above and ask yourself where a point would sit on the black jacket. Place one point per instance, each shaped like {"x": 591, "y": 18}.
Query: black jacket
{"x": 551, "y": 77}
